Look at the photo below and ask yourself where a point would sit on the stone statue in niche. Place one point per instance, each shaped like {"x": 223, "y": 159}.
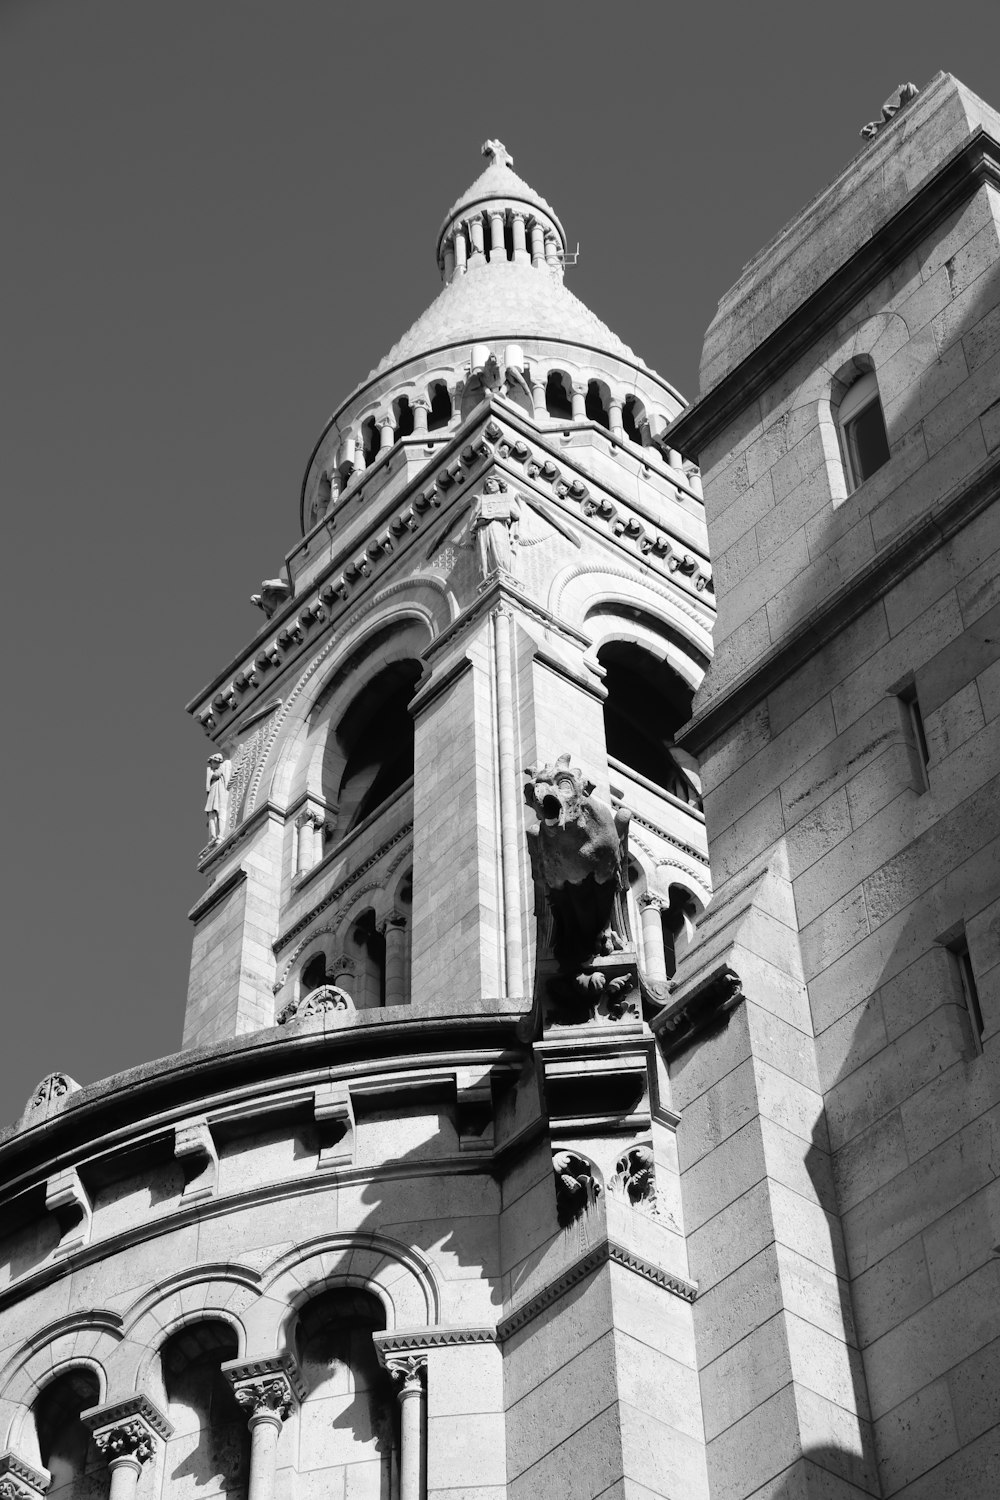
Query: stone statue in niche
{"x": 577, "y": 1187}
{"x": 579, "y": 857}
{"x": 217, "y": 787}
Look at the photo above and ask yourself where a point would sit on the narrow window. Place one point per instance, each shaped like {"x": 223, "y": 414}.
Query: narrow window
{"x": 908, "y": 697}
{"x": 959, "y": 950}
{"x": 862, "y": 429}
{"x": 440, "y": 412}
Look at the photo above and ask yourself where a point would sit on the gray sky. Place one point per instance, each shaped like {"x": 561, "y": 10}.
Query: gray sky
{"x": 217, "y": 218}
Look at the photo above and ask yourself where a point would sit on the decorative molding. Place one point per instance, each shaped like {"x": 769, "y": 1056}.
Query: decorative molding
{"x": 607, "y": 1250}
{"x": 403, "y": 1341}
{"x": 701, "y": 1010}
{"x": 127, "y": 1429}
{"x": 19, "y": 1480}
{"x": 661, "y": 833}
{"x": 49, "y": 1096}
{"x": 283, "y": 940}
{"x": 216, "y": 893}
{"x": 960, "y": 176}
{"x": 317, "y": 1003}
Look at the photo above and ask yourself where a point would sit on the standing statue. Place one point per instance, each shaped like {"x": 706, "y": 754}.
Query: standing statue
{"x": 495, "y": 524}
{"x": 579, "y": 860}
{"x": 217, "y": 787}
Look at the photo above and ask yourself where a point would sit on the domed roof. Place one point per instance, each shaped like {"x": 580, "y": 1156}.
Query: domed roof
{"x": 505, "y": 298}
{"x": 499, "y": 183}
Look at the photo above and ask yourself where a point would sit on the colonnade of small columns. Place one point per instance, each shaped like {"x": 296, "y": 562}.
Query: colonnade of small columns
{"x": 129, "y": 1433}
{"x": 532, "y": 241}
{"x": 351, "y": 460}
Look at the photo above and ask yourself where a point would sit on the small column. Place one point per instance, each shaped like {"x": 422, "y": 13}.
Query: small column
{"x": 579, "y": 403}
{"x": 498, "y": 248}
{"x": 537, "y": 244}
{"x": 386, "y": 432}
{"x": 520, "y": 245}
{"x": 410, "y": 1371}
{"x": 538, "y": 398}
{"x": 551, "y": 251}
{"x": 267, "y": 1396}
{"x": 615, "y": 417}
{"x": 396, "y": 960}
{"x": 126, "y": 1435}
{"x": 674, "y": 459}
{"x": 461, "y": 251}
{"x": 476, "y": 235}
{"x": 449, "y": 259}
{"x": 653, "y": 952}
{"x": 421, "y": 411}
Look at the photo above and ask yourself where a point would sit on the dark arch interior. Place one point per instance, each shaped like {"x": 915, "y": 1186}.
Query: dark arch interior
{"x": 369, "y": 440}
{"x": 376, "y": 735}
{"x": 211, "y": 1439}
{"x": 440, "y": 412}
{"x": 65, "y": 1445}
{"x": 558, "y": 396}
{"x": 314, "y": 975}
{"x": 402, "y": 412}
{"x": 596, "y": 403}
{"x": 349, "y": 1391}
{"x": 633, "y": 418}
{"x": 646, "y": 705}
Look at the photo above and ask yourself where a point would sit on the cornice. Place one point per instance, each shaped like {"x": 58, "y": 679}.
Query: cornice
{"x": 403, "y": 1340}
{"x": 871, "y": 582}
{"x": 607, "y": 1250}
{"x": 976, "y": 162}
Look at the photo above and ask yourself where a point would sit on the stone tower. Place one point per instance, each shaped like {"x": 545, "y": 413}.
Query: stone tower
{"x": 402, "y": 1219}
{"x": 839, "y": 1138}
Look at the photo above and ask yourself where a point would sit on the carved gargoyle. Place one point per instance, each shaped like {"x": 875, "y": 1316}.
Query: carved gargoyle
{"x": 579, "y": 858}
{"x": 273, "y": 593}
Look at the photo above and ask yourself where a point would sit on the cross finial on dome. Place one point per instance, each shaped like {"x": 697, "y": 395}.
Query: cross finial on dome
{"x": 498, "y": 151}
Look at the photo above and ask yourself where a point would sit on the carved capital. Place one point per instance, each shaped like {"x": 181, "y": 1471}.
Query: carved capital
{"x": 409, "y": 1370}
{"x": 19, "y": 1480}
{"x": 265, "y": 1400}
{"x": 648, "y": 899}
{"x": 126, "y": 1432}
{"x": 395, "y": 921}
{"x": 129, "y": 1440}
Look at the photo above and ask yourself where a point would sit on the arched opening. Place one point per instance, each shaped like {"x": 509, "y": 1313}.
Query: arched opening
{"x": 558, "y": 395}
{"x": 440, "y": 413}
{"x": 375, "y": 736}
{"x": 209, "y": 1451}
{"x": 369, "y": 441}
{"x": 402, "y": 413}
{"x": 366, "y": 948}
{"x": 862, "y": 430}
{"x": 324, "y": 496}
{"x": 597, "y": 403}
{"x": 678, "y": 919}
{"x": 348, "y": 1425}
{"x": 634, "y": 420}
{"x": 647, "y": 703}
{"x": 314, "y": 975}
{"x": 65, "y": 1446}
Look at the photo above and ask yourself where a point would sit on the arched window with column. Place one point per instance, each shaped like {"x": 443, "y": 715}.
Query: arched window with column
{"x": 349, "y": 1421}
{"x": 861, "y": 423}
{"x": 209, "y": 1451}
{"x": 59, "y": 1441}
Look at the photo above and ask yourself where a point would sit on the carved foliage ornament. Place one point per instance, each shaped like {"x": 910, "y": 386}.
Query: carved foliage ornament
{"x": 408, "y": 1369}
{"x": 577, "y": 1187}
{"x": 270, "y": 1396}
{"x": 130, "y": 1439}
{"x": 318, "y": 1002}
{"x": 51, "y": 1089}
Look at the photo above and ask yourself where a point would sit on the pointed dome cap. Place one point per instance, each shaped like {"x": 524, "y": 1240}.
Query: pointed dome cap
{"x": 498, "y": 187}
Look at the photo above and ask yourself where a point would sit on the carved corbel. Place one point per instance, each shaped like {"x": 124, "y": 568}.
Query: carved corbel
{"x": 270, "y": 656}
{"x": 635, "y": 1176}
{"x": 19, "y": 1480}
{"x": 338, "y": 589}
{"x": 474, "y": 1109}
{"x": 207, "y": 720}
{"x": 334, "y": 1114}
{"x": 67, "y": 1200}
{"x": 291, "y": 634}
{"x": 195, "y": 1149}
{"x": 247, "y": 679}
{"x": 126, "y": 1433}
{"x": 267, "y": 1389}
{"x": 577, "y": 1187}
{"x": 427, "y": 498}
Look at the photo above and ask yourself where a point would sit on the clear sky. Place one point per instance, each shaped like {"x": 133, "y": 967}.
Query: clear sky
{"x": 218, "y": 215}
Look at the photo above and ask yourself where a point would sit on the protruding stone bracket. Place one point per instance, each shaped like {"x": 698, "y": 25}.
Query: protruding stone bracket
{"x": 67, "y": 1200}
{"x": 577, "y": 1185}
{"x": 705, "y": 1008}
{"x": 19, "y": 1480}
{"x": 271, "y": 1384}
{"x": 334, "y": 1115}
{"x": 195, "y": 1149}
{"x": 474, "y": 1109}
{"x": 126, "y": 1434}
{"x": 635, "y": 1177}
